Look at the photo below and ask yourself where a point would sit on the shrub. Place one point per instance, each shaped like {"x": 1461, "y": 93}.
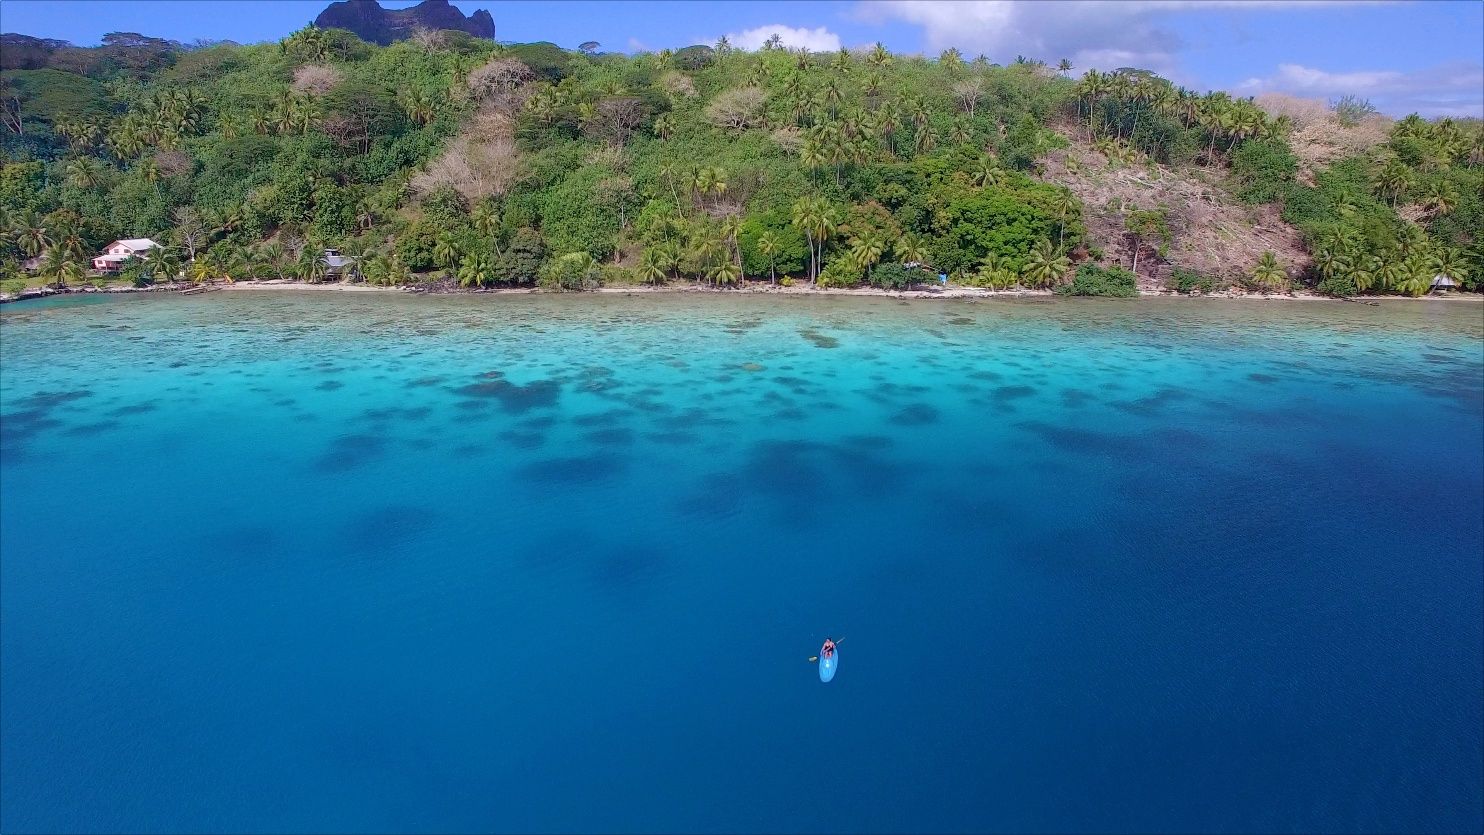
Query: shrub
{"x": 573, "y": 271}
{"x": 1096, "y": 281}
{"x": 1339, "y": 286}
{"x": 13, "y": 286}
{"x": 543, "y": 58}
{"x": 738, "y": 109}
{"x": 694, "y": 57}
{"x": 1189, "y": 281}
{"x": 1264, "y": 170}
{"x": 895, "y": 276}
{"x": 520, "y": 263}
{"x": 1350, "y": 110}
{"x": 616, "y": 274}
{"x": 793, "y": 248}
{"x": 840, "y": 272}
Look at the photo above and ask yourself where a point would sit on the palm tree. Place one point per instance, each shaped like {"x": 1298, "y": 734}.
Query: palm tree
{"x": 85, "y": 172}
{"x": 68, "y": 239}
{"x": 1091, "y": 89}
{"x": 731, "y": 227}
{"x": 162, "y": 263}
{"x": 1441, "y": 199}
{"x": 833, "y": 96}
{"x": 31, "y": 234}
{"x": 866, "y": 249}
{"x": 911, "y": 249}
{"x": 1065, "y": 205}
{"x": 718, "y": 185}
{"x": 987, "y": 171}
{"x": 767, "y": 245}
{"x": 652, "y": 266}
{"x": 805, "y": 217}
{"x": 397, "y": 271}
{"x": 814, "y": 217}
{"x": 72, "y": 270}
{"x": 478, "y": 271}
{"x": 1392, "y": 180}
{"x": 879, "y": 56}
{"x": 419, "y": 106}
{"x": 923, "y": 143}
{"x": 446, "y": 251}
{"x": 1269, "y": 273}
{"x": 959, "y": 131}
{"x": 951, "y": 60}
{"x": 670, "y": 257}
{"x": 1416, "y": 276}
{"x": 274, "y": 256}
{"x": 309, "y": 266}
{"x": 56, "y": 267}
{"x": 201, "y": 268}
{"x": 724, "y": 272}
{"x": 1451, "y": 263}
{"x": 307, "y": 111}
{"x": 233, "y": 263}
{"x": 1045, "y": 265}
{"x": 841, "y": 61}
{"x": 1364, "y": 272}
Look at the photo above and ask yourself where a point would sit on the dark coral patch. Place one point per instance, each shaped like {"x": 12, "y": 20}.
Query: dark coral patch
{"x": 512, "y": 397}
{"x": 349, "y": 452}
{"x": 917, "y": 414}
{"x": 608, "y": 418}
{"x": 133, "y": 409}
{"x": 523, "y": 440}
{"x": 1154, "y": 403}
{"x": 388, "y": 527}
{"x": 93, "y": 428}
{"x": 610, "y": 437}
{"x": 818, "y": 339}
{"x": 576, "y": 470}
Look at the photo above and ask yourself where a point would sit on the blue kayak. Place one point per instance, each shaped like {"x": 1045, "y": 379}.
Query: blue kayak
{"x": 827, "y": 665}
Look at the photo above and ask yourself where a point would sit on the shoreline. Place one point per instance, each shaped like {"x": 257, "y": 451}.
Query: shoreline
{"x": 949, "y": 293}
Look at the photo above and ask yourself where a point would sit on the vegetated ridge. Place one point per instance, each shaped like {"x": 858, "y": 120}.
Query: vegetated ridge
{"x": 451, "y": 159}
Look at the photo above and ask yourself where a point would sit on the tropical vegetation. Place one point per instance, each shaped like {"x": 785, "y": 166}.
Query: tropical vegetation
{"x": 456, "y": 159}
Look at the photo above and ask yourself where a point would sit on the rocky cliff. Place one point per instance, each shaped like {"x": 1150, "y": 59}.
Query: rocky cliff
{"x": 372, "y": 23}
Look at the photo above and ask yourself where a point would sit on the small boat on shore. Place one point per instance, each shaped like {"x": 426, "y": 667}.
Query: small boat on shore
{"x": 199, "y": 288}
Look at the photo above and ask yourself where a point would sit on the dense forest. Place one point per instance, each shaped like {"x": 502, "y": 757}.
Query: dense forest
{"x": 451, "y": 159}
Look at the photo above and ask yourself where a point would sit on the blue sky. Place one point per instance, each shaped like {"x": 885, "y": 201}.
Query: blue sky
{"x": 1405, "y": 56}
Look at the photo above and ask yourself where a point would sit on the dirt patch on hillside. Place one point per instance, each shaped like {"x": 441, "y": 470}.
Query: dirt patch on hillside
{"x": 1210, "y": 232}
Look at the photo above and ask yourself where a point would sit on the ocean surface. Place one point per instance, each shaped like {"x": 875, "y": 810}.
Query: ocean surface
{"x": 281, "y": 561}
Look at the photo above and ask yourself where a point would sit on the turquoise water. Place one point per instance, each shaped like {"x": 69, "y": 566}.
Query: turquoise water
{"x": 282, "y": 561}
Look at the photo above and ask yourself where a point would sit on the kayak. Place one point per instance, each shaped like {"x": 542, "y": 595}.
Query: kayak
{"x": 827, "y": 665}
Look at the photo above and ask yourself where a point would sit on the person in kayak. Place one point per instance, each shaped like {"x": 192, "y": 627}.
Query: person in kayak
{"x": 828, "y": 649}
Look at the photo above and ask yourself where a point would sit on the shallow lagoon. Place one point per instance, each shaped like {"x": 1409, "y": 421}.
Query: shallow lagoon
{"x": 373, "y": 562}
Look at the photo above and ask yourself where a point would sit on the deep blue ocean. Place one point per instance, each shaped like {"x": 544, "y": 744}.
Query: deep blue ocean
{"x": 280, "y": 561}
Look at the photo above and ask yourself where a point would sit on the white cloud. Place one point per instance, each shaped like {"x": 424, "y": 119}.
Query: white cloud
{"x": 1091, "y": 34}
{"x": 816, "y": 40}
{"x": 636, "y": 45}
{"x": 1452, "y": 89}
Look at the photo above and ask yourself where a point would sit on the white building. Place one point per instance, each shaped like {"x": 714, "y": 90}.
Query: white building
{"x": 116, "y": 253}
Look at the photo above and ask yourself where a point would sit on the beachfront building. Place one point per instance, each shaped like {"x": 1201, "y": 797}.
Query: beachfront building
{"x": 337, "y": 265}
{"x": 1442, "y": 282}
{"x": 115, "y": 254}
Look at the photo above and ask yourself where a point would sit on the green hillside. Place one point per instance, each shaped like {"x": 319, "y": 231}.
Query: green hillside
{"x": 451, "y": 158}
